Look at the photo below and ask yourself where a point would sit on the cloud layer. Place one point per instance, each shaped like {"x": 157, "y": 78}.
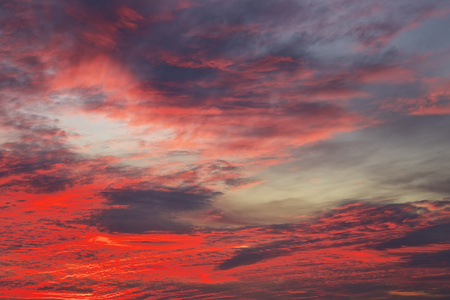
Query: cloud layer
{"x": 224, "y": 149}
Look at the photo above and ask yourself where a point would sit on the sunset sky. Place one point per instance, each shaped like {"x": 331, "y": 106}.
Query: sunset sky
{"x": 224, "y": 149}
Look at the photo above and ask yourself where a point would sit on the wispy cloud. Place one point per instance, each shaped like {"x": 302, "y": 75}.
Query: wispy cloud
{"x": 224, "y": 149}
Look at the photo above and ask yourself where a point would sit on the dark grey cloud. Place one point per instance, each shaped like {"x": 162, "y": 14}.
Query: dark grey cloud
{"x": 438, "y": 186}
{"x": 238, "y": 181}
{"x": 166, "y": 73}
{"x": 66, "y": 288}
{"x": 316, "y": 110}
{"x": 253, "y": 255}
{"x": 437, "y": 259}
{"x": 41, "y": 184}
{"x": 150, "y": 209}
{"x": 430, "y": 235}
{"x": 49, "y": 183}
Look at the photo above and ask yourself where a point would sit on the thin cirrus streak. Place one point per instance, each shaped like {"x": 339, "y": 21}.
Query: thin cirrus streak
{"x": 224, "y": 149}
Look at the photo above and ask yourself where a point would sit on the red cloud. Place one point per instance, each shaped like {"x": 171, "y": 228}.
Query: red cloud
{"x": 341, "y": 245}
{"x": 211, "y": 94}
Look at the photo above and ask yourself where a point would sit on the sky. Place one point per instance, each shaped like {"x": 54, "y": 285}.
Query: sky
{"x": 224, "y": 149}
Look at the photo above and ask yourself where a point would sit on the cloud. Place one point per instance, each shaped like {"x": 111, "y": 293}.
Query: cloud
{"x": 150, "y": 209}
{"x": 42, "y": 184}
{"x": 431, "y": 260}
{"x": 38, "y": 158}
{"x": 357, "y": 225}
{"x": 253, "y": 261}
{"x": 236, "y": 84}
{"x": 122, "y": 123}
{"x": 431, "y": 235}
{"x": 248, "y": 256}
